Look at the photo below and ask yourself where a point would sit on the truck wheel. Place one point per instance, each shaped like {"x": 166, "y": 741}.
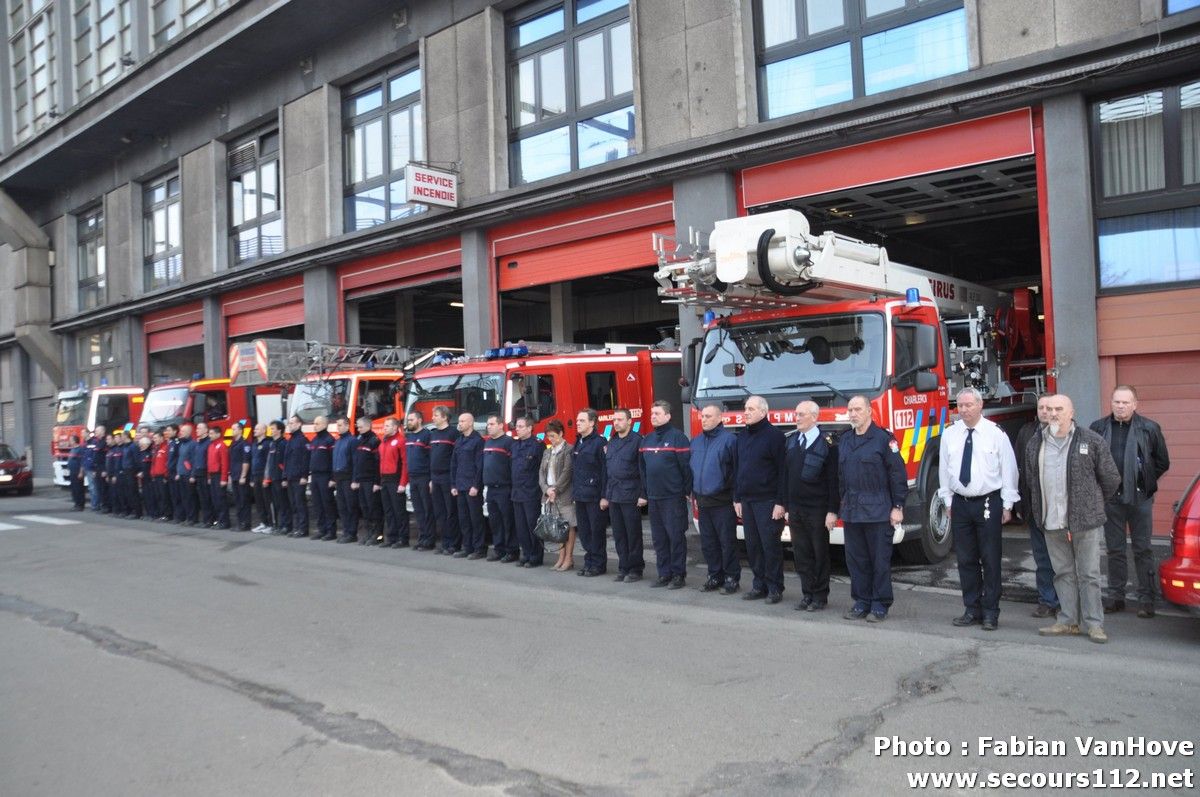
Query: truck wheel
{"x": 936, "y": 539}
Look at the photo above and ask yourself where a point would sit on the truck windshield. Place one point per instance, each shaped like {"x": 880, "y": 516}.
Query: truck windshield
{"x": 825, "y": 358}
{"x": 164, "y": 405}
{"x": 71, "y": 411}
{"x": 326, "y": 397}
{"x": 478, "y": 394}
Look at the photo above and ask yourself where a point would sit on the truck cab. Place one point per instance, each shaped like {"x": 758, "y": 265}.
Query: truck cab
{"x": 80, "y": 410}
{"x": 377, "y": 394}
{"x": 207, "y": 400}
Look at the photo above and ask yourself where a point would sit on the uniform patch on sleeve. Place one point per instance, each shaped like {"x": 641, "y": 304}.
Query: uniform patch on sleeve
{"x": 894, "y": 446}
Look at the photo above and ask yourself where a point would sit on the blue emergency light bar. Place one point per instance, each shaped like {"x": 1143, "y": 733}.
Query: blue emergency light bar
{"x": 912, "y": 298}
{"x": 504, "y": 352}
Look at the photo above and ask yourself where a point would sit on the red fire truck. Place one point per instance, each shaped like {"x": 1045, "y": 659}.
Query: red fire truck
{"x": 791, "y": 316}
{"x": 545, "y": 381}
{"x": 208, "y": 400}
{"x": 81, "y": 410}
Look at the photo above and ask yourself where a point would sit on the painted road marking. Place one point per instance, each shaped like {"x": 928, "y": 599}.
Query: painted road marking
{"x": 47, "y": 519}
{"x": 9, "y": 527}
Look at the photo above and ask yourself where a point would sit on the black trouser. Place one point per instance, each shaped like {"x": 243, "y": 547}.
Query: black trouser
{"x": 500, "y": 520}
{"x": 445, "y": 513}
{"x": 218, "y": 500}
{"x": 627, "y": 537}
{"x": 78, "y": 492}
{"x": 127, "y": 486}
{"x": 592, "y": 522}
{"x": 718, "y": 542}
{"x": 191, "y": 505}
{"x": 149, "y": 496}
{"x": 162, "y": 489}
{"x": 279, "y": 502}
{"x": 179, "y": 505}
{"x": 243, "y": 500}
{"x": 764, "y": 544}
{"x": 347, "y": 506}
{"x": 1138, "y": 519}
{"x": 668, "y": 531}
{"x": 108, "y": 492}
{"x": 395, "y": 510}
{"x": 116, "y": 500}
{"x": 977, "y": 545}
{"x": 470, "y": 522}
{"x": 370, "y": 510}
{"x": 203, "y": 498}
{"x": 525, "y": 516}
{"x": 810, "y": 550}
{"x": 323, "y": 504}
{"x": 298, "y": 504}
{"x": 262, "y": 499}
{"x": 418, "y": 490}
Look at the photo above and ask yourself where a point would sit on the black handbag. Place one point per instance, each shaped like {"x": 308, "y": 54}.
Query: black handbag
{"x": 551, "y": 525}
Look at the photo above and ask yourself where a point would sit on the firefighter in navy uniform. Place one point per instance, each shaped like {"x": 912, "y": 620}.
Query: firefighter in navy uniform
{"x": 199, "y": 475}
{"x": 665, "y": 465}
{"x": 527, "y": 453}
{"x": 145, "y": 480}
{"x": 241, "y": 452}
{"x": 295, "y": 476}
{"x": 622, "y": 486}
{"x": 273, "y": 479}
{"x": 75, "y": 473}
{"x": 258, "y": 468}
{"x": 342, "y": 476}
{"x": 466, "y": 466}
{"x": 441, "y": 484}
{"x": 93, "y": 466}
{"x": 365, "y": 482}
{"x": 127, "y": 480}
{"x": 416, "y": 459}
{"x": 497, "y": 478}
{"x": 812, "y": 496}
{"x": 186, "y": 513}
{"x": 392, "y": 479}
{"x": 114, "y": 500}
{"x": 872, "y": 487}
{"x": 320, "y": 468}
{"x": 587, "y": 485}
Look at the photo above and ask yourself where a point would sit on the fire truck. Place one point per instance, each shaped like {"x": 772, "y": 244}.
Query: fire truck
{"x": 330, "y": 379}
{"x": 542, "y": 381}
{"x": 208, "y": 400}
{"x": 80, "y": 410}
{"x": 790, "y": 316}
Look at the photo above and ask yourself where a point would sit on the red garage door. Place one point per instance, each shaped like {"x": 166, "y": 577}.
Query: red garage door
{"x": 264, "y": 307}
{"x": 174, "y": 327}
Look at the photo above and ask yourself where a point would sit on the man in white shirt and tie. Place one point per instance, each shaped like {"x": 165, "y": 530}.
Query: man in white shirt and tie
{"x": 978, "y": 482}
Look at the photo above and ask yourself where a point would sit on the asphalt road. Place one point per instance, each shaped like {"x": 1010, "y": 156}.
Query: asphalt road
{"x": 148, "y": 659}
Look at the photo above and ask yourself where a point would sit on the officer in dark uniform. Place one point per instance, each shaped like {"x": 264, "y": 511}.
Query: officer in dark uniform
{"x": 466, "y": 466}
{"x": 441, "y": 484}
{"x": 759, "y": 494}
{"x": 666, "y": 483}
{"x": 241, "y": 452}
{"x": 131, "y": 466}
{"x": 93, "y": 466}
{"x": 393, "y": 476}
{"x": 174, "y": 491}
{"x": 587, "y": 484}
{"x": 873, "y": 487}
{"x": 416, "y": 457}
{"x": 261, "y": 448}
{"x": 812, "y": 498}
{"x": 365, "y": 482}
{"x": 295, "y": 476}
{"x": 714, "y": 468}
{"x": 527, "y": 453}
{"x": 320, "y": 467}
{"x": 497, "y": 478}
{"x": 622, "y": 487}
{"x": 273, "y": 479}
{"x": 114, "y": 498}
{"x": 75, "y": 472}
{"x": 343, "y": 472}
{"x": 145, "y": 457}
{"x": 199, "y": 475}
{"x": 182, "y": 474}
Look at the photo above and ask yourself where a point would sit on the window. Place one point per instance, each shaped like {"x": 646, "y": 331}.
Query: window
{"x": 255, "y": 217}
{"x": 570, "y": 87}
{"x": 1175, "y": 6}
{"x": 376, "y": 399}
{"x": 90, "y": 255}
{"x": 532, "y": 396}
{"x": 170, "y": 18}
{"x": 602, "y": 390}
{"x": 103, "y": 41}
{"x": 814, "y": 53}
{"x": 1147, "y": 166}
{"x": 384, "y": 132}
{"x": 209, "y": 406}
{"x": 319, "y": 397}
{"x": 32, "y": 47}
{"x": 96, "y": 360}
{"x": 163, "y": 259}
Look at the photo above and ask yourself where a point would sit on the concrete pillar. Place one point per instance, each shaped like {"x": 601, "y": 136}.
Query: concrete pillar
{"x": 700, "y": 202}
{"x": 479, "y": 293}
{"x": 205, "y": 225}
{"x": 307, "y": 195}
{"x": 406, "y": 324}
{"x": 129, "y": 340}
{"x": 1072, "y": 254}
{"x": 215, "y": 351}
{"x": 22, "y": 374}
{"x": 321, "y": 299}
{"x": 562, "y": 313}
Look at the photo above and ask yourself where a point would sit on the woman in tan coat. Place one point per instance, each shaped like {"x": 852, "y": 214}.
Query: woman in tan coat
{"x": 555, "y": 478}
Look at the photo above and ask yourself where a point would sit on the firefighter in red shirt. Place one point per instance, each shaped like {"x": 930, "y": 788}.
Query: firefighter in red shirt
{"x": 158, "y": 477}
{"x": 218, "y": 476}
{"x": 393, "y": 478}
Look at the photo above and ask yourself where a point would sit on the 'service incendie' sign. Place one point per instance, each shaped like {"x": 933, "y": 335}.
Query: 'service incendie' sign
{"x": 431, "y": 186}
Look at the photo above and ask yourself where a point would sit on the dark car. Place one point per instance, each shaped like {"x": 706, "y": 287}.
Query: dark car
{"x": 1179, "y": 576}
{"x": 14, "y": 472}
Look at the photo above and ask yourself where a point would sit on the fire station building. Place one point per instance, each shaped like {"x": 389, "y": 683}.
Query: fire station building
{"x": 175, "y": 176}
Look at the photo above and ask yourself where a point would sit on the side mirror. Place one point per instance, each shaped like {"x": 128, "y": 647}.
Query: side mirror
{"x": 687, "y": 376}
{"x": 927, "y": 346}
{"x": 925, "y": 381}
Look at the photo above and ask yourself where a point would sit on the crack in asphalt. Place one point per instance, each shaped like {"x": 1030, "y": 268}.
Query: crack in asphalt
{"x": 818, "y": 771}
{"x": 347, "y": 728}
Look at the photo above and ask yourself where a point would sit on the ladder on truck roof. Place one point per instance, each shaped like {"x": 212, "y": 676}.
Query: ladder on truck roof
{"x": 269, "y": 361}
{"x": 772, "y": 261}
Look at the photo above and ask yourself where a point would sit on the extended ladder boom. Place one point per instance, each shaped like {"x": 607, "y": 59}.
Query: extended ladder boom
{"x": 268, "y": 361}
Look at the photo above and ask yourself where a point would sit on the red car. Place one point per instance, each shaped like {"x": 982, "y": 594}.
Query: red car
{"x": 1179, "y": 576}
{"x": 14, "y": 472}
